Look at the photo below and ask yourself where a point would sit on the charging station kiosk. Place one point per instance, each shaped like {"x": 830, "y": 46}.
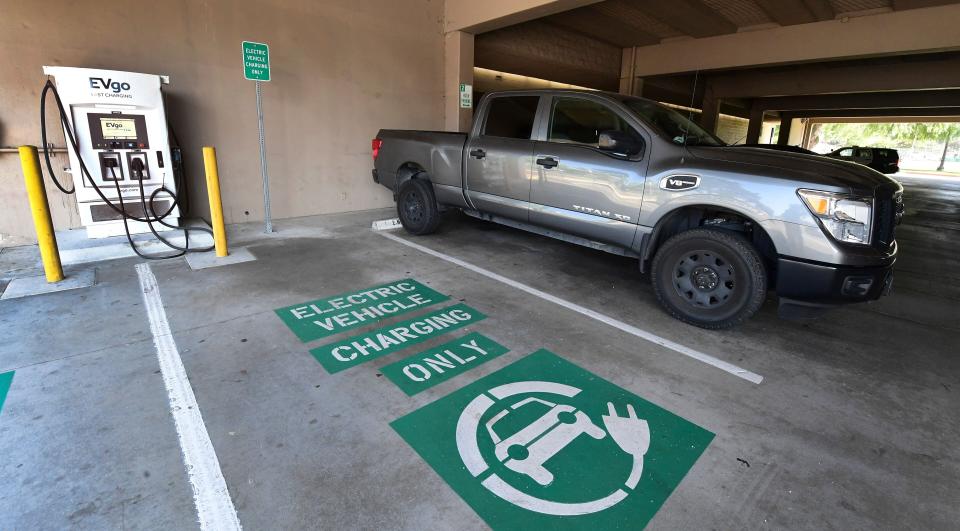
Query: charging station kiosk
{"x": 120, "y": 124}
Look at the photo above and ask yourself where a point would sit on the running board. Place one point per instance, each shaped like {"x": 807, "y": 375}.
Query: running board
{"x": 557, "y": 235}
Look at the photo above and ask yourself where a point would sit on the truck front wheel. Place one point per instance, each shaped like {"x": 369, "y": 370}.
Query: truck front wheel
{"x": 709, "y": 278}
{"x": 417, "y": 207}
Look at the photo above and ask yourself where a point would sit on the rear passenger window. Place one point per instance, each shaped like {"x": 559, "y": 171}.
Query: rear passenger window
{"x": 511, "y": 116}
{"x": 577, "y": 121}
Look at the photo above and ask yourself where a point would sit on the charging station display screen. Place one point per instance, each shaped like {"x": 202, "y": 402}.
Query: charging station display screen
{"x": 118, "y": 128}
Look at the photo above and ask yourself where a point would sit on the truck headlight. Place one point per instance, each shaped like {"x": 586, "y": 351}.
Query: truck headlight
{"x": 846, "y": 217}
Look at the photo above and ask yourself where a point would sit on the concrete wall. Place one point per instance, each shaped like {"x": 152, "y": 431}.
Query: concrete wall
{"x": 485, "y": 80}
{"x": 341, "y": 71}
{"x": 732, "y": 129}
{"x": 542, "y": 50}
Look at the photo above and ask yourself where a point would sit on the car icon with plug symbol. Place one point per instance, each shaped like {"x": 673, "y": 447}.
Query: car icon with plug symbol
{"x": 527, "y": 451}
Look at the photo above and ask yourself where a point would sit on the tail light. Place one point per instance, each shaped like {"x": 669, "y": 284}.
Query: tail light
{"x": 375, "y": 146}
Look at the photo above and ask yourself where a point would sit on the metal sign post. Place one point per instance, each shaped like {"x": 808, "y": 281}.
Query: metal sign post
{"x": 267, "y": 222}
{"x": 256, "y": 67}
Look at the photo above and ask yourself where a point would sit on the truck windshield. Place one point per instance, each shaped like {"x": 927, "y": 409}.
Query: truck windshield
{"x": 674, "y": 125}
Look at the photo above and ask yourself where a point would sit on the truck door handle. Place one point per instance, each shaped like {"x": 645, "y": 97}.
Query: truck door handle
{"x": 548, "y": 162}
{"x": 478, "y": 153}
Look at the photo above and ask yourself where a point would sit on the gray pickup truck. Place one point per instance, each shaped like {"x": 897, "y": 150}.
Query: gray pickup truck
{"x": 716, "y": 226}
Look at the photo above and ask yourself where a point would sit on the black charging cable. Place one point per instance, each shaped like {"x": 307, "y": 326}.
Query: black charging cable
{"x": 112, "y": 165}
{"x": 136, "y": 171}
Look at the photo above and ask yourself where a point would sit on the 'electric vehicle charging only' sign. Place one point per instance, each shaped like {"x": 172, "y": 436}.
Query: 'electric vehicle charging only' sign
{"x": 256, "y": 61}
{"x": 544, "y": 444}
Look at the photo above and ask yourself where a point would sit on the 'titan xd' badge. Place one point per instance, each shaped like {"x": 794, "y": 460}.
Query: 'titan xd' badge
{"x": 543, "y": 443}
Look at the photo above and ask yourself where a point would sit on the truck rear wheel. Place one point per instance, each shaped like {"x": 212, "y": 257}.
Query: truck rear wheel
{"x": 709, "y": 278}
{"x": 417, "y": 207}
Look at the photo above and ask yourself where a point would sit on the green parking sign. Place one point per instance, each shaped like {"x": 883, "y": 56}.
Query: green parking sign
{"x": 545, "y": 444}
{"x": 256, "y": 61}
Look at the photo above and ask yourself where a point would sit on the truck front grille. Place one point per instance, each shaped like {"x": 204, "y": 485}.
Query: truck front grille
{"x": 888, "y": 215}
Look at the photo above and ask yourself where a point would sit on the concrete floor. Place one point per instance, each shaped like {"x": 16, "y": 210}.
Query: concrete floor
{"x": 854, "y": 426}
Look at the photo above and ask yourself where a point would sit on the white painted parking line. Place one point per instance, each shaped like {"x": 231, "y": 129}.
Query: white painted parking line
{"x": 630, "y": 329}
{"x": 215, "y": 510}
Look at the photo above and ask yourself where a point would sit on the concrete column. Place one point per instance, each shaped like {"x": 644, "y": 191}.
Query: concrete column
{"x": 710, "y": 110}
{"x": 630, "y": 84}
{"x": 807, "y": 134}
{"x": 457, "y": 69}
{"x": 710, "y": 114}
{"x": 636, "y": 88}
{"x": 786, "y": 120}
{"x": 755, "y": 126}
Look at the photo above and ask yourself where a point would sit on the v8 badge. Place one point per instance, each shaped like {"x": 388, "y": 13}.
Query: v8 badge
{"x": 679, "y": 183}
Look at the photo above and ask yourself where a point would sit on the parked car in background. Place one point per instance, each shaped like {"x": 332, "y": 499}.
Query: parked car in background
{"x": 780, "y": 147}
{"x": 884, "y": 160}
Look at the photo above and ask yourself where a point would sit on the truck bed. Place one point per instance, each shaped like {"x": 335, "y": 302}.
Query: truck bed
{"x": 437, "y": 152}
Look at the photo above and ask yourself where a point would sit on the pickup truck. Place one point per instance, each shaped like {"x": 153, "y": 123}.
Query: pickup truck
{"x": 716, "y": 226}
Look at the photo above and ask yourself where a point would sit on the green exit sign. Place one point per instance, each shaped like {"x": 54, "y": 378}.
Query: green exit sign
{"x": 256, "y": 61}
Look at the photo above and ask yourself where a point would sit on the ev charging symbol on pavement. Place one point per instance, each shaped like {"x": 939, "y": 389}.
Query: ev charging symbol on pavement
{"x": 529, "y": 450}
{"x": 543, "y": 443}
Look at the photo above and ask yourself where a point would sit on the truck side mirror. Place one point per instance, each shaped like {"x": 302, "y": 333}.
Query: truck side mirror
{"x": 620, "y": 142}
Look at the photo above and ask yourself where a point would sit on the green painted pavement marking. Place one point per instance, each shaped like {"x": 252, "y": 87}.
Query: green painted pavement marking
{"x": 545, "y": 444}
{"x": 5, "y": 380}
{"x": 439, "y": 364}
{"x": 355, "y": 350}
{"x": 332, "y": 315}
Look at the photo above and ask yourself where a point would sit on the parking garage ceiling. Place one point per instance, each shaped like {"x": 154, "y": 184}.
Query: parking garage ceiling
{"x": 589, "y": 46}
{"x": 626, "y": 23}
{"x": 584, "y": 46}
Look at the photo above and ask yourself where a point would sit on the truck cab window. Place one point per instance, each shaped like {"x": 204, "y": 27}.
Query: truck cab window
{"x": 511, "y": 116}
{"x": 580, "y": 121}
{"x": 676, "y": 127}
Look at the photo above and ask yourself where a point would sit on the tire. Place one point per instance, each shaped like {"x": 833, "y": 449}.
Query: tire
{"x": 713, "y": 279}
{"x": 417, "y": 207}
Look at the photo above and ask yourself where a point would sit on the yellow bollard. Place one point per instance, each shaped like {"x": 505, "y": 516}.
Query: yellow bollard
{"x": 37, "y": 194}
{"x": 216, "y": 207}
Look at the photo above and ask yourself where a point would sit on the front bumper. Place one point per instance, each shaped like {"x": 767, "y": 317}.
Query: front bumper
{"x": 827, "y": 285}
